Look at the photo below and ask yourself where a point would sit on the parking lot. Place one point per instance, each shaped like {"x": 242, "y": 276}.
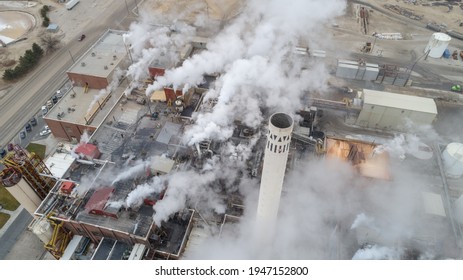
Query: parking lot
{"x": 35, "y": 128}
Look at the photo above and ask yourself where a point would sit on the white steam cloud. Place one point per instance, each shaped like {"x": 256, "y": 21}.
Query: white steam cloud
{"x": 254, "y": 56}
{"x": 323, "y": 201}
{"x": 132, "y": 171}
{"x": 135, "y": 198}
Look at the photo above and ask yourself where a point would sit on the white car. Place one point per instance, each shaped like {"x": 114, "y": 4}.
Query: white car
{"x": 46, "y": 130}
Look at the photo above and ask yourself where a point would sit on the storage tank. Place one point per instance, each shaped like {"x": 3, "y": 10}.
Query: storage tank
{"x": 43, "y": 230}
{"x": 452, "y": 157}
{"x": 15, "y": 184}
{"x": 437, "y": 44}
{"x": 179, "y": 105}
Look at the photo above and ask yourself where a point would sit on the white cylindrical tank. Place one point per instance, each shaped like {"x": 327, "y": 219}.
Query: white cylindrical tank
{"x": 452, "y": 157}
{"x": 178, "y": 105}
{"x": 43, "y": 230}
{"x": 458, "y": 209}
{"x": 273, "y": 172}
{"x": 18, "y": 187}
{"x": 25, "y": 195}
{"x": 437, "y": 44}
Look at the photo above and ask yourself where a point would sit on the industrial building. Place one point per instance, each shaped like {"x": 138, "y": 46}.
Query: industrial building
{"x": 357, "y": 70}
{"x": 81, "y": 111}
{"x": 87, "y": 203}
{"x": 97, "y": 67}
{"x": 90, "y": 99}
{"x": 85, "y": 215}
{"x": 390, "y": 111}
{"x": 362, "y": 70}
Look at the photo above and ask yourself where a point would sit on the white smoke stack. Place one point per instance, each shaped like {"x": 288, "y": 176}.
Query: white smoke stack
{"x": 276, "y": 156}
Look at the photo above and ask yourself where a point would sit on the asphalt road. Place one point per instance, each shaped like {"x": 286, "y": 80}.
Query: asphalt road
{"x": 26, "y": 98}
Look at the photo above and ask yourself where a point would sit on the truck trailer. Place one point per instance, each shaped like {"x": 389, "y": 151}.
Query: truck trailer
{"x": 71, "y": 4}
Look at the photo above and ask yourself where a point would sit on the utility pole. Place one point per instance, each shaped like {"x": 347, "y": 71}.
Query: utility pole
{"x": 73, "y": 61}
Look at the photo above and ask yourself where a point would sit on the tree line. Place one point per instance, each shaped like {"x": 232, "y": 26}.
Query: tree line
{"x": 26, "y": 62}
{"x": 43, "y": 13}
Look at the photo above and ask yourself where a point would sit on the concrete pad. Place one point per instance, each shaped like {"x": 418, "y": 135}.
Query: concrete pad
{"x": 28, "y": 247}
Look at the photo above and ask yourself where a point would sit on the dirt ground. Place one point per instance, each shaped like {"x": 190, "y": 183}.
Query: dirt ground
{"x": 10, "y": 54}
{"x": 70, "y": 23}
{"x": 188, "y": 10}
{"x": 430, "y": 14}
{"x": 348, "y": 28}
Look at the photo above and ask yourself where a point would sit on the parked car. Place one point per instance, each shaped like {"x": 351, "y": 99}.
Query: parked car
{"x": 456, "y": 88}
{"x": 44, "y": 110}
{"x": 81, "y": 37}
{"x": 59, "y": 93}
{"x": 54, "y": 99}
{"x": 46, "y": 130}
{"x": 28, "y": 127}
{"x": 2, "y": 153}
{"x": 33, "y": 121}
{"x": 22, "y": 134}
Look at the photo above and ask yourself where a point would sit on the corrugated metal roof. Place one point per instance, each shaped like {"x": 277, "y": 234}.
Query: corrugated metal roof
{"x": 99, "y": 198}
{"x": 88, "y": 149}
{"x": 401, "y": 101}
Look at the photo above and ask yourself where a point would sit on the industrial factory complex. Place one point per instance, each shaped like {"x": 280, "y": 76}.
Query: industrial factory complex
{"x": 102, "y": 193}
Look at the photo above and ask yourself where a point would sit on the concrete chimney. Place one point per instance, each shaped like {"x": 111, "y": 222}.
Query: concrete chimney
{"x": 273, "y": 173}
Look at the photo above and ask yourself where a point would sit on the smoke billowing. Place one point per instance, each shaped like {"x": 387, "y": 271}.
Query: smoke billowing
{"x": 254, "y": 55}
{"x": 323, "y": 201}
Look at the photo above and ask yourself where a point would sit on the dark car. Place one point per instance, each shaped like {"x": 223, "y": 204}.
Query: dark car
{"x": 2, "y": 153}
{"x": 22, "y": 134}
{"x": 33, "y": 121}
{"x": 81, "y": 37}
{"x": 28, "y": 127}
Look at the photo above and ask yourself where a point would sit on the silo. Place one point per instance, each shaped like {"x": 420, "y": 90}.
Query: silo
{"x": 273, "y": 172}
{"x": 452, "y": 157}
{"x": 15, "y": 184}
{"x": 43, "y": 230}
{"x": 437, "y": 44}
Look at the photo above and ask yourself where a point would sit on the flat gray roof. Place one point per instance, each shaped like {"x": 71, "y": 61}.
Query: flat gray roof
{"x": 103, "y": 57}
{"x": 83, "y": 106}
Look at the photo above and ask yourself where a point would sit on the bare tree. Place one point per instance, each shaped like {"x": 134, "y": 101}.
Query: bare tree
{"x": 50, "y": 42}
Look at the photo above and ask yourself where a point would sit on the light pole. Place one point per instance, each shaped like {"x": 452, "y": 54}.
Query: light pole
{"x": 374, "y": 42}
{"x": 127, "y": 50}
{"x": 127, "y": 6}
{"x": 416, "y": 61}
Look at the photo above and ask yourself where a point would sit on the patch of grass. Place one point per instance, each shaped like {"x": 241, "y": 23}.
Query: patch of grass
{"x": 7, "y": 200}
{"x": 38, "y": 149}
{"x": 3, "y": 219}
